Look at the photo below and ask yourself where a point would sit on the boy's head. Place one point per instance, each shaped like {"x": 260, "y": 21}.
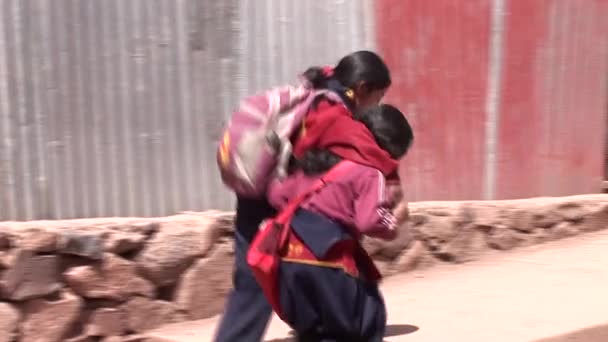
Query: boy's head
{"x": 390, "y": 129}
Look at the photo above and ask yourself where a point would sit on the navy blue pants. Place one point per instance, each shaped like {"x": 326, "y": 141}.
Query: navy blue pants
{"x": 325, "y": 304}
{"x": 247, "y": 311}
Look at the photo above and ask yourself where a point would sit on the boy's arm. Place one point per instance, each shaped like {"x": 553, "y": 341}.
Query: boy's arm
{"x": 373, "y": 215}
{"x": 402, "y": 212}
{"x": 394, "y": 192}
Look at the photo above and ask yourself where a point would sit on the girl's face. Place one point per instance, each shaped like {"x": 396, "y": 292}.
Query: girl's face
{"x": 365, "y": 99}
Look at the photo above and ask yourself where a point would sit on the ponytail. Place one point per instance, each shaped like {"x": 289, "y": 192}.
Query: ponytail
{"x": 318, "y": 76}
{"x": 352, "y": 70}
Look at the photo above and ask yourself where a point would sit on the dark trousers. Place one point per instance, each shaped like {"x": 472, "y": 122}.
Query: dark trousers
{"x": 247, "y": 311}
{"x": 325, "y": 304}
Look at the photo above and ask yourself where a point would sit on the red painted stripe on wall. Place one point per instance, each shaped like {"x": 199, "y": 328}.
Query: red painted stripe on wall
{"x": 553, "y": 109}
{"x": 552, "y": 95}
{"x": 438, "y": 54}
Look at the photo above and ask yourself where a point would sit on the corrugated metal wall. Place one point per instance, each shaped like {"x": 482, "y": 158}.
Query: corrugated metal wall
{"x": 281, "y": 38}
{"x": 508, "y": 97}
{"x": 113, "y": 107}
{"x": 438, "y": 55}
{"x": 552, "y": 128}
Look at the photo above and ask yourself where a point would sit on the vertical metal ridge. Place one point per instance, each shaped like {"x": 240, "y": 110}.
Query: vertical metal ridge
{"x": 159, "y": 132}
{"x": 73, "y": 129}
{"x": 172, "y": 109}
{"x": 196, "y": 86}
{"x": 86, "y": 159}
{"x": 137, "y": 134}
{"x": 343, "y": 42}
{"x": 94, "y": 111}
{"x": 29, "y": 123}
{"x": 50, "y": 94}
{"x": 561, "y": 91}
{"x": 493, "y": 102}
{"x": 8, "y": 197}
{"x": 270, "y": 33}
{"x": 186, "y": 115}
{"x": 107, "y": 111}
{"x": 125, "y": 73}
{"x": 242, "y": 48}
{"x": 258, "y": 46}
{"x": 603, "y": 86}
{"x": 165, "y": 166}
{"x": 369, "y": 24}
{"x": 209, "y": 89}
{"x": 113, "y": 109}
{"x": 23, "y": 123}
{"x": 550, "y": 84}
{"x": 56, "y": 148}
{"x": 181, "y": 172}
{"x": 354, "y": 22}
{"x": 149, "y": 41}
{"x": 304, "y": 31}
{"x": 146, "y": 112}
{"x": 38, "y": 80}
{"x": 574, "y": 69}
{"x": 282, "y": 23}
{"x": 461, "y": 26}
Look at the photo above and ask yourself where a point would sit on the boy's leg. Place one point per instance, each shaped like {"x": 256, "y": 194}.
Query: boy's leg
{"x": 374, "y": 317}
{"x": 247, "y": 311}
{"x": 315, "y": 337}
{"x": 326, "y": 305}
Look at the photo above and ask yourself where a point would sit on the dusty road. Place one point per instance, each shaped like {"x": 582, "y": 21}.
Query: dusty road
{"x": 531, "y": 295}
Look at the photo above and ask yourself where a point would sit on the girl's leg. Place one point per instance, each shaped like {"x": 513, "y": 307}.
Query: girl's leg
{"x": 247, "y": 311}
{"x": 373, "y": 314}
{"x": 307, "y": 337}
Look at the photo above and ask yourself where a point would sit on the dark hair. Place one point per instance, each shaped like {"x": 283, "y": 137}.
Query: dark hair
{"x": 316, "y": 161}
{"x": 361, "y": 66}
{"x": 390, "y": 129}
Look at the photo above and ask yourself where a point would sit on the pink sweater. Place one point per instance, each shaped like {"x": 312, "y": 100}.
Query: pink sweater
{"x": 357, "y": 200}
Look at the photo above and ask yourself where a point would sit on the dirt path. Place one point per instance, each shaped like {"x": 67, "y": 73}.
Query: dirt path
{"x": 528, "y": 295}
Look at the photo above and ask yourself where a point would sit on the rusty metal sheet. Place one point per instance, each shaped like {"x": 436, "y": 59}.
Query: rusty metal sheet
{"x": 438, "y": 55}
{"x": 553, "y": 110}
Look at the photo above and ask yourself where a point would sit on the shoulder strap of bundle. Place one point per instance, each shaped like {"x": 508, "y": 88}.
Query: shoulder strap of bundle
{"x": 295, "y": 203}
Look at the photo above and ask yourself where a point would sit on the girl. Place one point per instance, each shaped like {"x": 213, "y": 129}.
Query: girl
{"x": 360, "y": 78}
{"x": 328, "y": 283}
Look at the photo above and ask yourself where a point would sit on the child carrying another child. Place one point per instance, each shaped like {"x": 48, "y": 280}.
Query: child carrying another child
{"x": 328, "y": 284}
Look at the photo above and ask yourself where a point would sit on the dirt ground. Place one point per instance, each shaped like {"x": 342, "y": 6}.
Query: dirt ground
{"x": 554, "y": 292}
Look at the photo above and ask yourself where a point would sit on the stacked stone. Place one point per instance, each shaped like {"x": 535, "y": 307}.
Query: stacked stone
{"x": 111, "y": 279}
{"x": 115, "y": 279}
{"x": 456, "y": 232}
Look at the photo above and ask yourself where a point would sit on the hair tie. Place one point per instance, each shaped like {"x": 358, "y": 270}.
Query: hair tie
{"x": 328, "y": 71}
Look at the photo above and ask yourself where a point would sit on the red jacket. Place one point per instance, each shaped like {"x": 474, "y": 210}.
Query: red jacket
{"x": 331, "y": 126}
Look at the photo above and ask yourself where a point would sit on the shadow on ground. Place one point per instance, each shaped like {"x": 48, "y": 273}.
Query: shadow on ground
{"x": 594, "y": 334}
{"x": 392, "y": 330}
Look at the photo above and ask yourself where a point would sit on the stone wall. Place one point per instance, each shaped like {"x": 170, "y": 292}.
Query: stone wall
{"x": 98, "y": 279}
